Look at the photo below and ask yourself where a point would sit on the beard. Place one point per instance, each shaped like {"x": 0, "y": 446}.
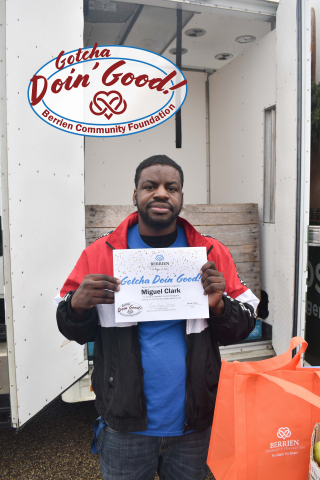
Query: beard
{"x": 158, "y": 223}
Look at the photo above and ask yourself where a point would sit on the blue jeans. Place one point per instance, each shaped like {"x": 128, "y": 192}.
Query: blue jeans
{"x": 128, "y": 456}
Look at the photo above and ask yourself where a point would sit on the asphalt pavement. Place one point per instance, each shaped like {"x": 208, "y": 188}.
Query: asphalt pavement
{"x": 53, "y": 445}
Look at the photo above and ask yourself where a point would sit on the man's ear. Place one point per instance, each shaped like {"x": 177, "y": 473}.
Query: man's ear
{"x": 182, "y": 199}
{"x": 134, "y": 198}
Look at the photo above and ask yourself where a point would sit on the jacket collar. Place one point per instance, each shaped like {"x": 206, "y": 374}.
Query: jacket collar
{"x": 118, "y": 238}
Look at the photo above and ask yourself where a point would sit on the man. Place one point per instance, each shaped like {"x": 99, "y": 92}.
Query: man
{"x": 155, "y": 382}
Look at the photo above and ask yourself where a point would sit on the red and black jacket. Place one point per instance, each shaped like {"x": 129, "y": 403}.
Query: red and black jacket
{"x": 118, "y": 375}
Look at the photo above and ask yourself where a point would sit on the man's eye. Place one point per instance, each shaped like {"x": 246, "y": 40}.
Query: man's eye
{"x": 148, "y": 187}
{"x": 172, "y": 189}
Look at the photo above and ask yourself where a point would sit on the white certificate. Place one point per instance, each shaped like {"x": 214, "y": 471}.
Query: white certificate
{"x": 160, "y": 284}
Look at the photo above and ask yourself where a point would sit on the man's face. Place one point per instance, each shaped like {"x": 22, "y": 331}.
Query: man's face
{"x": 159, "y": 196}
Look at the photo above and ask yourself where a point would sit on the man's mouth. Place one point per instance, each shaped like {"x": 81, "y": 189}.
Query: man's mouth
{"x": 160, "y": 207}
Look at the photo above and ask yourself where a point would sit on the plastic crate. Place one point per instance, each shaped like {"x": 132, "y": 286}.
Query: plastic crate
{"x": 257, "y": 331}
{"x": 90, "y": 349}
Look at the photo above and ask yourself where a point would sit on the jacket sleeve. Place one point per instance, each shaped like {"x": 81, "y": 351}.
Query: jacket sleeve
{"x": 239, "y": 318}
{"x": 80, "y": 328}
{"x": 236, "y": 323}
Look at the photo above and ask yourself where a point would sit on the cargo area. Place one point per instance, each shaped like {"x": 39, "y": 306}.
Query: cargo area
{"x": 228, "y": 137}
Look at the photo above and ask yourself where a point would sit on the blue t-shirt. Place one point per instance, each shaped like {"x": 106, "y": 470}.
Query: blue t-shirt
{"x": 163, "y": 353}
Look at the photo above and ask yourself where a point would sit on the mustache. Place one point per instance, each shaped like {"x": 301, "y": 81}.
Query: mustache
{"x": 169, "y": 205}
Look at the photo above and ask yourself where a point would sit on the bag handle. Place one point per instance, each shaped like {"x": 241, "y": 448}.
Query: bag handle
{"x": 295, "y": 342}
{"x": 294, "y": 389}
{"x": 284, "y": 361}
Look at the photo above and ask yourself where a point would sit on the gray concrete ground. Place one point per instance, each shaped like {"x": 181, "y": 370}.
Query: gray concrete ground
{"x": 53, "y": 445}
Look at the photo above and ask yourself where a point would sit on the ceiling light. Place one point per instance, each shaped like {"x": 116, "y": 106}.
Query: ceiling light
{"x": 195, "y": 32}
{"x": 174, "y": 51}
{"x": 245, "y": 39}
{"x": 223, "y": 56}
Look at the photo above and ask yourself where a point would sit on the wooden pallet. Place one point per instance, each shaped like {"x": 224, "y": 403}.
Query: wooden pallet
{"x": 235, "y": 225}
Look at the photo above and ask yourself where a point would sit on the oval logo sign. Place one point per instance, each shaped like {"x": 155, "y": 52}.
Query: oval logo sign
{"x": 107, "y": 91}
{"x": 129, "y": 309}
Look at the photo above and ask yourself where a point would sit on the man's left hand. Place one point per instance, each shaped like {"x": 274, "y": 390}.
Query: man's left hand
{"x": 214, "y": 285}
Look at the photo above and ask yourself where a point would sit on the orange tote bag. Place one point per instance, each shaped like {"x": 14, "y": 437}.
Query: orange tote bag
{"x": 275, "y": 414}
{"x": 222, "y": 449}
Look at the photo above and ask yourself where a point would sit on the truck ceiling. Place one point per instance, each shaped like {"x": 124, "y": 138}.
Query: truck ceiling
{"x": 224, "y": 33}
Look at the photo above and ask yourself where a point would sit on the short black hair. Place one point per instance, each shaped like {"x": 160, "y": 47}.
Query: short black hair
{"x": 157, "y": 160}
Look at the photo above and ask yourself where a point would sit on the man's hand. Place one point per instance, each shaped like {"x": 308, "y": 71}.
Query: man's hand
{"x": 214, "y": 285}
{"x": 93, "y": 290}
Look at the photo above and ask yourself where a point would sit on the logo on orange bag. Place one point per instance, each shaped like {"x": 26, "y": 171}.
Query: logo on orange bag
{"x": 284, "y": 433}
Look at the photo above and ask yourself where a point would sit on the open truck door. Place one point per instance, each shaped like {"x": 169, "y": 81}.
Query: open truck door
{"x": 42, "y": 173}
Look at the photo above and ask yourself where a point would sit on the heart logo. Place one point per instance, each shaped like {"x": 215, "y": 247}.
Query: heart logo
{"x": 283, "y": 433}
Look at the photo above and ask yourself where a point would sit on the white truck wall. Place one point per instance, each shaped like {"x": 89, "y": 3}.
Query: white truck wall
{"x": 110, "y": 163}
{"x": 286, "y": 175}
{"x": 239, "y": 92}
{"x": 236, "y": 138}
{"x": 315, "y": 164}
{"x": 46, "y": 206}
{"x": 1, "y": 258}
{"x": 316, "y": 5}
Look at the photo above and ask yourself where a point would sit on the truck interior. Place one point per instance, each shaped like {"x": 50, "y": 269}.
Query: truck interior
{"x": 210, "y": 41}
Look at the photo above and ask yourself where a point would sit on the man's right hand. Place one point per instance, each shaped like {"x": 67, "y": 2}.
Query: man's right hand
{"x": 94, "y": 290}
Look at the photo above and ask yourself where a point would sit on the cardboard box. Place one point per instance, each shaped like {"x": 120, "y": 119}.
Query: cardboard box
{"x": 314, "y": 469}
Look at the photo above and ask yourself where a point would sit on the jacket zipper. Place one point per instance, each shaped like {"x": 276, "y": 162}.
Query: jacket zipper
{"x": 209, "y": 250}
{"x": 112, "y": 248}
{"x": 143, "y": 398}
{"x": 186, "y": 426}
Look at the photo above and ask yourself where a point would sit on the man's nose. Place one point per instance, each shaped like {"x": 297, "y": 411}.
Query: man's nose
{"x": 161, "y": 192}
